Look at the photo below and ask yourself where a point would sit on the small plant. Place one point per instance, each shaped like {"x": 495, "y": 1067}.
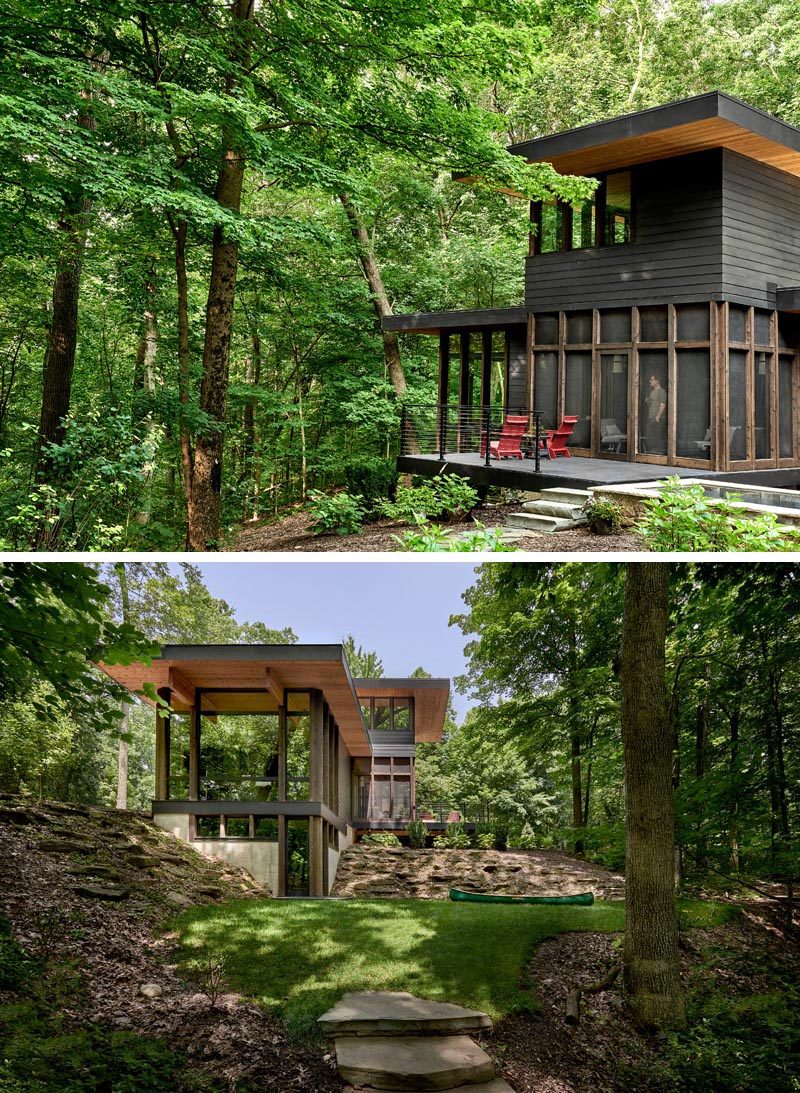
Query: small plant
{"x": 686, "y": 518}
{"x": 210, "y": 978}
{"x": 433, "y": 538}
{"x": 445, "y": 495}
{"x": 453, "y": 838}
{"x": 381, "y": 838}
{"x": 526, "y": 840}
{"x": 337, "y": 513}
{"x": 603, "y": 514}
{"x": 417, "y": 833}
{"x": 485, "y": 841}
{"x": 372, "y": 478}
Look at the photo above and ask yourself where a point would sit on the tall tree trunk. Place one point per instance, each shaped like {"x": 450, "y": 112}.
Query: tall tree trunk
{"x": 651, "y": 967}
{"x": 145, "y": 378}
{"x": 252, "y": 464}
{"x": 204, "y": 503}
{"x": 575, "y": 743}
{"x": 700, "y": 766}
{"x": 179, "y": 231}
{"x": 122, "y": 752}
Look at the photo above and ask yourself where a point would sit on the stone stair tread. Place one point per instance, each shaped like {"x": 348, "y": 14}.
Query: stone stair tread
{"x": 563, "y": 509}
{"x": 562, "y": 493}
{"x": 412, "y": 1063}
{"x": 496, "y": 1085}
{"x": 397, "y": 1012}
{"x": 533, "y": 522}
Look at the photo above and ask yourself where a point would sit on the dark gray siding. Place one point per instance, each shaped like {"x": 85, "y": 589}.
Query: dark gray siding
{"x": 516, "y": 390}
{"x": 761, "y": 230}
{"x": 676, "y": 256}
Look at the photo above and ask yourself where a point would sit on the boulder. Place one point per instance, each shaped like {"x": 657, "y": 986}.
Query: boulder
{"x": 151, "y": 990}
{"x": 178, "y": 899}
{"x": 111, "y": 893}
{"x": 15, "y": 816}
{"x": 64, "y": 846}
{"x": 102, "y": 872}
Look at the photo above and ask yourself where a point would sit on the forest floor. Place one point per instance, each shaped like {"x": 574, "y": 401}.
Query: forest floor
{"x": 293, "y": 532}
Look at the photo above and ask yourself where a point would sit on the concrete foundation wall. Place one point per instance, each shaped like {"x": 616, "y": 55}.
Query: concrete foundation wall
{"x": 258, "y": 857}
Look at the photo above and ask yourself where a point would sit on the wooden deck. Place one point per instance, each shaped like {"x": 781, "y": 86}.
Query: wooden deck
{"x": 577, "y": 472}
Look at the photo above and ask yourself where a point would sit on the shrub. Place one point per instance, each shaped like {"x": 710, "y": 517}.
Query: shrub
{"x": 417, "y": 834}
{"x": 526, "y": 840}
{"x": 686, "y": 518}
{"x": 380, "y": 838}
{"x": 371, "y": 478}
{"x": 337, "y": 513}
{"x": 603, "y": 514}
{"x": 501, "y": 836}
{"x": 445, "y": 495}
{"x": 453, "y": 838}
{"x": 17, "y": 969}
{"x": 485, "y": 841}
{"x": 433, "y": 538}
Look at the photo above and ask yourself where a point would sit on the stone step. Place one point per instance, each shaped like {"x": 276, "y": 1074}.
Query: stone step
{"x": 412, "y": 1063}
{"x": 395, "y": 1013}
{"x": 569, "y": 497}
{"x": 560, "y": 509}
{"x": 531, "y": 522}
{"x": 496, "y": 1085}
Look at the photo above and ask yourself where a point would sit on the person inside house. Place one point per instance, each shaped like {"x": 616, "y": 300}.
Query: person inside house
{"x": 657, "y": 417}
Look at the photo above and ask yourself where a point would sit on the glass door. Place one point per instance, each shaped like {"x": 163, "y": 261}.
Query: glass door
{"x": 614, "y": 404}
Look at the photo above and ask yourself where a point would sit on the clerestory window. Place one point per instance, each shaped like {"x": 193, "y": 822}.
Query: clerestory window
{"x": 604, "y": 220}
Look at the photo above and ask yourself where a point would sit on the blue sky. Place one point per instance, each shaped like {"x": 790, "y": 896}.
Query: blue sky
{"x": 398, "y": 609}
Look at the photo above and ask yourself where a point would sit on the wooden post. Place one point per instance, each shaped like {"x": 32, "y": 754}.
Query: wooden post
{"x": 316, "y": 852}
{"x": 326, "y": 754}
{"x": 194, "y": 750}
{"x": 281, "y": 754}
{"x": 282, "y": 852}
{"x": 162, "y": 747}
{"x": 486, "y": 368}
{"x": 444, "y": 366}
{"x": 316, "y": 793}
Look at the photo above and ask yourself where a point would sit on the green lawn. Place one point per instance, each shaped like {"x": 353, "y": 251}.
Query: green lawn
{"x": 298, "y": 957}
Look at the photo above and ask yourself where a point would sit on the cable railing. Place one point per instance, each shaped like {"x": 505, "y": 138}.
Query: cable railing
{"x": 446, "y": 429}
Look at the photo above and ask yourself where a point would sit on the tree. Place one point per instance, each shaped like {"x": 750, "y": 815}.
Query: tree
{"x": 651, "y": 962}
{"x": 363, "y": 664}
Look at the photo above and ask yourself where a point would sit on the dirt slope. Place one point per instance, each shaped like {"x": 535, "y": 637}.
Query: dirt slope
{"x": 387, "y": 872}
{"x": 50, "y": 853}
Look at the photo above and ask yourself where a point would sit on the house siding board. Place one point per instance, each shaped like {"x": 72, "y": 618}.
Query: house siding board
{"x": 345, "y": 809}
{"x": 676, "y": 256}
{"x": 761, "y": 230}
{"x": 517, "y": 387}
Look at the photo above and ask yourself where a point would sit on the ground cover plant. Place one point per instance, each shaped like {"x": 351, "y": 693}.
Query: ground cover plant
{"x": 298, "y": 958}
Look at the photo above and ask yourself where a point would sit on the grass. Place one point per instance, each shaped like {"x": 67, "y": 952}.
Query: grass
{"x": 297, "y": 958}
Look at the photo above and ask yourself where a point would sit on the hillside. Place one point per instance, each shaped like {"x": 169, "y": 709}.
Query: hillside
{"x": 89, "y": 892}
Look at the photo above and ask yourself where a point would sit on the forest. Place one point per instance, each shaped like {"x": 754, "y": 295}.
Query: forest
{"x": 208, "y": 207}
{"x": 639, "y": 717}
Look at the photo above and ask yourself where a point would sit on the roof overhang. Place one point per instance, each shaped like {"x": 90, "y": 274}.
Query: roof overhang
{"x": 788, "y": 299}
{"x": 433, "y": 322}
{"x": 707, "y": 121}
{"x": 430, "y": 701}
{"x": 272, "y": 668}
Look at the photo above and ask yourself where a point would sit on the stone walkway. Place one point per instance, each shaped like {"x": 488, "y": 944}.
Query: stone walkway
{"x": 387, "y": 872}
{"x": 388, "y": 1040}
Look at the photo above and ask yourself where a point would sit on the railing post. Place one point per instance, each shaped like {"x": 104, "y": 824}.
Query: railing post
{"x": 442, "y": 430}
{"x": 403, "y": 429}
{"x": 487, "y": 413}
{"x": 537, "y": 454}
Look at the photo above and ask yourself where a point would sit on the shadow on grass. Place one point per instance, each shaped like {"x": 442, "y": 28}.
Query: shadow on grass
{"x": 298, "y": 957}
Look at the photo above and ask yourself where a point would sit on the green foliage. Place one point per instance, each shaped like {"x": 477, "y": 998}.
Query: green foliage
{"x": 17, "y": 969}
{"x": 433, "y": 538}
{"x": 380, "y": 838}
{"x": 443, "y": 495}
{"x": 485, "y": 841}
{"x": 454, "y": 837}
{"x": 604, "y": 515}
{"x": 685, "y": 518}
{"x": 417, "y": 833}
{"x": 337, "y": 513}
{"x": 373, "y": 479}
{"x": 525, "y": 840}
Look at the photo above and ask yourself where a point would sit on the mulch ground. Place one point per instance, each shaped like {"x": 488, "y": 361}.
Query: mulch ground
{"x": 293, "y": 532}
{"x": 118, "y": 947}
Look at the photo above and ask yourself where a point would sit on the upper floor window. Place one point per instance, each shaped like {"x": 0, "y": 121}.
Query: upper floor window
{"x": 604, "y": 220}
{"x": 388, "y": 714}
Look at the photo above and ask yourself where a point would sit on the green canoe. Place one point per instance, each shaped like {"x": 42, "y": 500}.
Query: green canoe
{"x": 584, "y": 898}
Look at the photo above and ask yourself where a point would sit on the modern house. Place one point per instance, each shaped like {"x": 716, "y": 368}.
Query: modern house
{"x": 677, "y": 283}
{"x": 274, "y": 758}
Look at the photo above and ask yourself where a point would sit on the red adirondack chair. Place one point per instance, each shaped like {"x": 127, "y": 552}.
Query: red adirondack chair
{"x": 509, "y": 444}
{"x": 555, "y": 442}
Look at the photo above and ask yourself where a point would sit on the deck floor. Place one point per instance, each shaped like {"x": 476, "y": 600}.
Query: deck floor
{"x": 576, "y": 472}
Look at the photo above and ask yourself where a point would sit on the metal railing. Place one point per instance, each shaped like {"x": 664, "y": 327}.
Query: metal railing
{"x": 444, "y": 812}
{"x": 448, "y": 428}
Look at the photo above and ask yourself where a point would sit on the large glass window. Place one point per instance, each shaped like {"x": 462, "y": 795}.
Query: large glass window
{"x": 551, "y": 230}
{"x": 545, "y": 387}
{"x": 388, "y": 714}
{"x": 179, "y": 728}
{"x": 693, "y": 433}
{"x": 298, "y": 746}
{"x": 737, "y": 404}
{"x": 763, "y": 386}
{"x": 785, "y": 414}
{"x": 297, "y": 858}
{"x": 238, "y": 746}
{"x": 618, "y": 220}
{"x": 653, "y": 401}
{"x": 614, "y": 403}
{"x": 583, "y": 232}
{"x": 578, "y": 398}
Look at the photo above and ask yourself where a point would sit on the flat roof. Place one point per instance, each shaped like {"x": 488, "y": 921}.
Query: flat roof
{"x": 432, "y": 322}
{"x": 185, "y": 668}
{"x": 713, "y": 120}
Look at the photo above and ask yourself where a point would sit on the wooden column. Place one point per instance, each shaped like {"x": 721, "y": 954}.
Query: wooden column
{"x": 282, "y": 845}
{"x": 486, "y": 368}
{"x": 162, "y": 747}
{"x": 194, "y": 751}
{"x": 326, "y": 754}
{"x": 444, "y": 365}
{"x": 316, "y": 848}
{"x": 281, "y": 753}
